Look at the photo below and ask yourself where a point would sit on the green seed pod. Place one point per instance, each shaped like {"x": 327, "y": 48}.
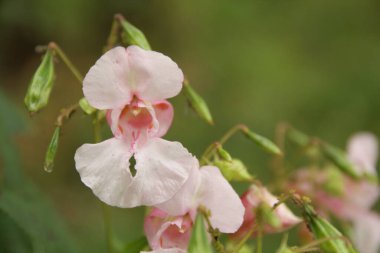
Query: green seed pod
{"x": 86, "y": 107}
{"x": 339, "y": 158}
{"x": 322, "y": 229}
{"x": 262, "y": 142}
{"x": 197, "y": 103}
{"x": 199, "y": 241}
{"x": 41, "y": 85}
{"x": 52, "y": 150}
{"x": 234, "y": 170}
{"x": 131, "y": 35}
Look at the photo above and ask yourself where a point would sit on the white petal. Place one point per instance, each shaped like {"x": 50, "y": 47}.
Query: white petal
{"x": 108, "y": 84}
{"x": 366, "y": 233}
{"x": 227, "y": 210}
{"x": 162, "y": 169}
{"x": 185, "y": 199}
{"x": 104, "y": 167}
{"x": 156, "y": 76}
{"x": 362, "y": 150}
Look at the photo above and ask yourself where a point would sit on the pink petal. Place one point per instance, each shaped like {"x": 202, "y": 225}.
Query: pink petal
{"x": 215, "y": 193}
{"x": 164, "y": 113}
{"x": 104, "y": 167}
{"x": 156, "y": 76}
{"x": 362, "y": 150}
{"x": 174, "y": 250}
{"x": 108, "y": 83}
{"x": 162, "y": 169}
{"x": 164, "y": 231}
{"x": 366, "y": 232}
{"x": 185, "y": 199}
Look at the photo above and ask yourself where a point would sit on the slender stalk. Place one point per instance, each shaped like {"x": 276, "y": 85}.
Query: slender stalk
{"x": 259, "y": 242}
{"x": 65, "y": 114}
{"x": 66, "y": 60}
{"x": 245, "y": 238}
{"x": 113, "y": 37}
{"x": 105, "y": 208}
{"x": 214, "y": 233}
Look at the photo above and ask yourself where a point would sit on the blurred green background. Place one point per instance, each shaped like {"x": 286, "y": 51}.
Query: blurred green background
{"x": 312, "y": 63}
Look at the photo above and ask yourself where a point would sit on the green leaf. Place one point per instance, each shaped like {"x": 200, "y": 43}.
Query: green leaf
{"x": 131, "y": 35}
{"x": 263, "y": 142}
{"x": 199, "y": 241}
{"x": 197, "y": 103}
{"x": 41, "y": 85}
{"x": 52, "y": 150}
{"x": 136, "y": 246}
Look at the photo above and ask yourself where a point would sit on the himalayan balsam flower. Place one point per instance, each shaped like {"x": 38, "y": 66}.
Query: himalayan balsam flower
{"x": 131, "y": 84}
{"x": 252, "y": 199}
{"x": 169, "y": 225}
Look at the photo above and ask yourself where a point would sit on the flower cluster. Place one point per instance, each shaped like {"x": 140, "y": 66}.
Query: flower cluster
{"x": 131, "y": 84}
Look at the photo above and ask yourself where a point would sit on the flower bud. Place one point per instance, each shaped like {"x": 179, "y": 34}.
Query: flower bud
{"x": 197, "y": 103}
{"x": 41, "y": 85}
{"x": 52, "y": 150}
{"x": 262, "y": 142}
{"x": 86, "y": 107}
{"x": 322, "y": 229}
{"x": 233, "y": 170}
{"x": 339, "y": 158}
{"x": 131, "y": 35}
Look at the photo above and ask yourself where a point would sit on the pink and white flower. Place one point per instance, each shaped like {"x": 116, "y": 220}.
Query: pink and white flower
{"x": 132, "y": 85}
{"x": 169, "y": 225}
{"x": 252, "y": 199}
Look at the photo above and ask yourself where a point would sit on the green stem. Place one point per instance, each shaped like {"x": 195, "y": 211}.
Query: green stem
{"x": 259, "y": 242}
{"x": 105, "y": 207}
{"x": 214, "y": 233}
{"x": 66, "y": 60}
{"x": 210, "y": 150}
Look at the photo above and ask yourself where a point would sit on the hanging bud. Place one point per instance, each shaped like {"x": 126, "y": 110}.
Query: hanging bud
{"x": 262, "y": 142}
{"x": 234, "y": 170}
{"x": 131, "y": 35}
{"x": 223, "y": 153}
{"x": 41, "y": 85}
{"x": 197, "y": 103}
{"x": 86, "y": 107}
{"x": 322, "y": 229}
{"x": 52, "y": 150}
{"x": 266, "y": 215}
{"x": 339, "y": 158}
{"x": 199, "y": 241}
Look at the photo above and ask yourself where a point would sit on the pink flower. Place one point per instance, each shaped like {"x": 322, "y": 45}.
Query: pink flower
{"x": 131, "y": 84}
{"x": 169, "y": 225}
{"x": 252, "y": 199}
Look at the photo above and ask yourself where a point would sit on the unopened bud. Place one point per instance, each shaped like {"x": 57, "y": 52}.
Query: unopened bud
{"x": 86, "y": 107}
{"x": 322, "y": 229}
{"x": 223, "y": 153}
{"x": 131, "y": 35}
{"x": 52, "y": 150}
{"x": 233, "y": 170}
{"x": 197, "y": 103}
{"x": 41, "y": 85}
{"x": 262, "y": 142}
{"x": 339, "y": 158}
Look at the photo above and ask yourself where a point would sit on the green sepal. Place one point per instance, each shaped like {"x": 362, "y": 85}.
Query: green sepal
{"x": 199, "y": 241}
{"x": 234, "y": 170}
{"x": 52, "y": 150}
{"x": 38, "y": 93}
{"x": 263, "y": 142}
{"x": 197, "y": 103}
{"x": 86, "y": 107}
{"x": 131, "y": 35}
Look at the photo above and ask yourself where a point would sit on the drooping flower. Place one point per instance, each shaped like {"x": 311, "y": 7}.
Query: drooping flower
{"x": 132, "y": 85}
{"x": 283, "y": 218}
{"x": 169, "y": 225}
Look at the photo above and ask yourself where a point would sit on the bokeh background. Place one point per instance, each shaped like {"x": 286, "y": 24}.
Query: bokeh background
{"x": 315, "y": 64}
